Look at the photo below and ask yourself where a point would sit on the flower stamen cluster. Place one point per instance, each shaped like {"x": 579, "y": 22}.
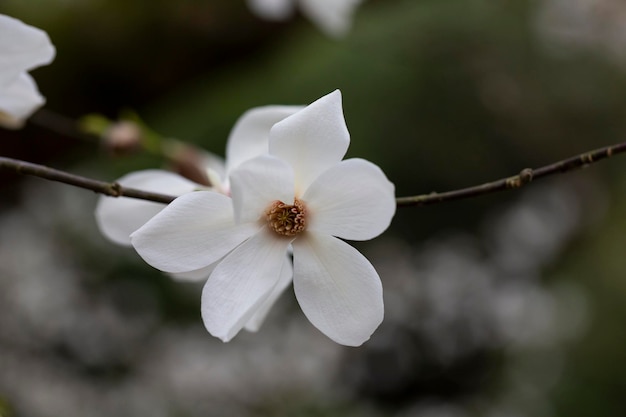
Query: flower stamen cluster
{"x": 285, "y": 219}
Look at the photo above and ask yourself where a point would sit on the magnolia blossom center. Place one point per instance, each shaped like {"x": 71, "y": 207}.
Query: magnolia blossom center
{"x": 286, "y": 219}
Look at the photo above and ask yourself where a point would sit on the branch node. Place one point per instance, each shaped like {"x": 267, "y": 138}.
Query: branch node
{"x": 587, "y": 158}
{"x": 116, "y": 189}
{"x": 523, "y": 178}
{"x": 526, "y": 175}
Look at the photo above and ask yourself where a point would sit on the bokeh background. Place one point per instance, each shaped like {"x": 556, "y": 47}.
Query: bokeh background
{"x": 508, "y": 305}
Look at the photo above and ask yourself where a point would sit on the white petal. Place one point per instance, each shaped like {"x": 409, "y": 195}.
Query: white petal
{"x": 338, "y": 289}
{"x": 286, "y": 276}
{"x": 192, "y": 232}
{"x": 259, "y": 182}
{"x": 22, "y": 47}
{"x": 271, "y": 9}
{"x": 118, "y": 217}
{"x": 214, "y": 165}
{"x": 250, "y": 136}
{"x": 334, "y": 17}
{"x": 352, "y": 200}
{"x": 18, "y": 100}
{"x": 241, "y": 283}
{"x": 312, "y": 140}
{"x": 201, "y": 274}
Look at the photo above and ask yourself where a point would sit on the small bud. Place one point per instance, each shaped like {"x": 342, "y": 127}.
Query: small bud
{"x": 122, "y": 138}
{"x": 187, "y": 161}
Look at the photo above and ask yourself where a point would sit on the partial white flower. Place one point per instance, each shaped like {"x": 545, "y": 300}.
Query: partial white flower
{"x": 334, "y": 17}
{"x": 300, "y": 195}
{"x": 22, "y": 48}
{"x": 118, "y": 217}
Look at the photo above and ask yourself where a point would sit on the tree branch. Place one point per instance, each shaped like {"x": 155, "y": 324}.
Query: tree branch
{"x": 527, "y": 175}
{"x": 524, "y": 177}
{"x": 112, "y": 189}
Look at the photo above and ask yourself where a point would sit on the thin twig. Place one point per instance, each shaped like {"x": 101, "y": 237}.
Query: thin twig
{"x": 524, "y": 177}
{"x": 60, "y": 124}
{"x": 527, "y": 175}
{"x": 112, "y": 189}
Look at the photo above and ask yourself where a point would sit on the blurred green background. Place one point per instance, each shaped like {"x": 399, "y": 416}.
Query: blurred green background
{"x": 511, "y": 304}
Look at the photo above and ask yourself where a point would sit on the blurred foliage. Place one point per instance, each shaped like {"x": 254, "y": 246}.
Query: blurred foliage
{"x": 593, "y": 383}
{"x": 5, "y": 410}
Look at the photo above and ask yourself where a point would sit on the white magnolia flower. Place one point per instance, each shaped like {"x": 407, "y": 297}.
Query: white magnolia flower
{"x": 22, "y": 48}
{"x": 332, "y": 16}
{"x": 302, "y": 196}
